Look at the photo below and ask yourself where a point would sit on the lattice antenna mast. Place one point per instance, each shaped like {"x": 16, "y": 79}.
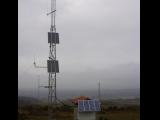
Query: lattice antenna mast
{"x": 53, "y": 68}
{"x": 52, "y": 64}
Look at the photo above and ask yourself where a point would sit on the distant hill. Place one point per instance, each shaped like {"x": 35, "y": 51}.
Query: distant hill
{"x": 105, "y": 94}
{"x": 23, "y": 100}
{"x": 135, "y": 101}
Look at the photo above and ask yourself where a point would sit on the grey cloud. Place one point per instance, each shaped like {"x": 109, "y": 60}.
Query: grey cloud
{"x": 94, "y": 34}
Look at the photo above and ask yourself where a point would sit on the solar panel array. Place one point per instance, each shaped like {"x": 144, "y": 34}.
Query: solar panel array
{"x": 89, "y": 105}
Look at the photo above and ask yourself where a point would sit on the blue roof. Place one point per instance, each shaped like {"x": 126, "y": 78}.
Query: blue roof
{"x": 89, "y": 105}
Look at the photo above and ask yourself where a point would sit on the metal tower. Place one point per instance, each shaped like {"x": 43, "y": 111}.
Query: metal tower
{"x": 52, "y": 64}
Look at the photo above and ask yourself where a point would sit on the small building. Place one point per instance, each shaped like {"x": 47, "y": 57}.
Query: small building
{"x": 87, "y": 109}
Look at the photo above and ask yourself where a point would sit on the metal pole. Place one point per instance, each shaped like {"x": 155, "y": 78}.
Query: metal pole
{"x": 52, "y": 97}
{"x": 38, "y": 86}
{"x": 52, "y": 93}
{"x": 99, "y": 91}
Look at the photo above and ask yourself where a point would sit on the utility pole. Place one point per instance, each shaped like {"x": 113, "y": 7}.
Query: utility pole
{"x": 99, "y": 91}
{"x": 38, "y": 87}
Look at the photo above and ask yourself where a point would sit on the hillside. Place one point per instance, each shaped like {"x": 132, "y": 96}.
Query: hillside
{"x": 23, "y": 100}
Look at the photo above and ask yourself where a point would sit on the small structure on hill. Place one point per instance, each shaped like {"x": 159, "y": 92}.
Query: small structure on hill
{"x": 86, "y": 108}
{"x": 75, "y": 99}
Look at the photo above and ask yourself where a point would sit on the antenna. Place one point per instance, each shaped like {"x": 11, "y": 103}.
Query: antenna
{"x": 36, "y": 66}
{"x": 53, "y": 68}
{"x": 99, "y": 91}
{"x": 52, "y": 65}
{"x": 38, "y": 87}
{"x": 51, "y": 12}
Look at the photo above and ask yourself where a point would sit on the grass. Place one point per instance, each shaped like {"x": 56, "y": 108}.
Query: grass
{"x": 109, "y": 112}
{"x": 120, "y": 115}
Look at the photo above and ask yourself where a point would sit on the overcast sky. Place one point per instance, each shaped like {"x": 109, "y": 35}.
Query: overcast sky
{"x": 99, "y": 41}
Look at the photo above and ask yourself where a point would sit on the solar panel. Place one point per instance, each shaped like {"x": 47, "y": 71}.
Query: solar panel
{"x": 88, "y": 105}
{"x": 80, "y": 106}
{"x": 91, "y": 105}
{"x": 97, "y": 105}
